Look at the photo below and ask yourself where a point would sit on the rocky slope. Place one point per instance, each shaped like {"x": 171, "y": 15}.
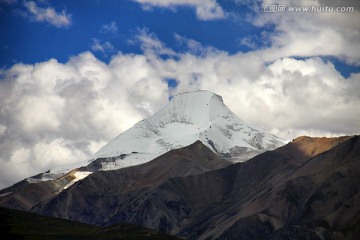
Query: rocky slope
{"x": 277, "y": 198}
{"x": 307, "y": 189}
{"x": 194, "y": 159}
{"x": 24, "y": 195}
{"x": 105, "y": 195}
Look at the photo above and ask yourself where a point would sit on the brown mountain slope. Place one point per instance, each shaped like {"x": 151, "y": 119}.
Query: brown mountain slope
{"x": 319, "y": 198}
{"x": 104, "y": 197}
{"x": 25, "y": 195}
{"x": 299, "y": 190}
{"x": 180, "y": 162}
{"x": 304, "y": 147}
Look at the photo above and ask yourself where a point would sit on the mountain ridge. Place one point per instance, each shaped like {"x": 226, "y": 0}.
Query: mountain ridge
{"x": 306, "y": 189}
{"x": 271, "y": 193}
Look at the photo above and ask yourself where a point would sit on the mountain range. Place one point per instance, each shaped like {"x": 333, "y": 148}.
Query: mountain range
{"x": 196, "y": 171}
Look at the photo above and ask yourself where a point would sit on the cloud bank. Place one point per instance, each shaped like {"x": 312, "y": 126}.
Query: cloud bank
{"x": 54, "y": 113}
{"x": 307, "y": 34}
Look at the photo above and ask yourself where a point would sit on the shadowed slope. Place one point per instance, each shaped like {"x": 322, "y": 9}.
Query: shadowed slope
{"x": 279, "y": 199}
{"x": 274, "y": 193}
{"x": 107, "y": 197}
{"x": 180, "y": 162}
{"x": 308, "y": 189}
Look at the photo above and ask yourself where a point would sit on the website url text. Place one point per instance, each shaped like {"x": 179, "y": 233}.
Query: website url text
{"x": 275, "y": 8}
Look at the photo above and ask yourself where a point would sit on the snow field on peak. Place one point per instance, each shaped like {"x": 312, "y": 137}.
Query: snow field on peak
{"x": 187, "y": 118}
{"x": 181, "y": 119}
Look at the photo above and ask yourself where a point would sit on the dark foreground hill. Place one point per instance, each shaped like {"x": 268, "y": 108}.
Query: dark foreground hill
{"x": 23, "y": 225}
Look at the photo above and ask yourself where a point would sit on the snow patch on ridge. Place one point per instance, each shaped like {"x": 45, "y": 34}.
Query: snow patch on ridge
{"x": 78, "y": 176}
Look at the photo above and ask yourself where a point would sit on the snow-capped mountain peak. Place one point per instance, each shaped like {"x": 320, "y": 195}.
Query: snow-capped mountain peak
{"x": 197, "y": 108}
{"x": 188, "y": 117}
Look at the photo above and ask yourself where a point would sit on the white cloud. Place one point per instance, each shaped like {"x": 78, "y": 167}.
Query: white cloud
{"x": 97, "y": 46}
{"x": 49, "y": 15}
{"x": 205, "y": 9}
{"x": 53, "y": 114}
{"x": 193, "y": 46}
{"x": 109, "y": 28}
{"x": 307, "y": 34}
{"x": 150, "y": 44}
{"x": 248, "y": 42}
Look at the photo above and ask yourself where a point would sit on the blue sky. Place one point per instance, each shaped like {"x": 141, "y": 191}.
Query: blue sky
{"x": 75, "y": 74}
{"x": 29, "y": 41}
